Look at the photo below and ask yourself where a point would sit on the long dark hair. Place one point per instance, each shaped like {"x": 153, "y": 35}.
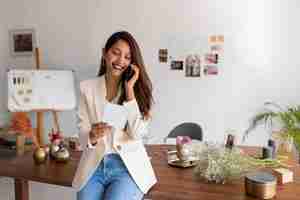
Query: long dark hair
{"x": 143, "y": 86}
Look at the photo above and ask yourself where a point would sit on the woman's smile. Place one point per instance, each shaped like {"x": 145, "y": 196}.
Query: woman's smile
{"x": 118, "y": 67}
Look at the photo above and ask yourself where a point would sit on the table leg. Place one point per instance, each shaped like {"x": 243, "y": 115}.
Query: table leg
{"x": 21, "y": 189}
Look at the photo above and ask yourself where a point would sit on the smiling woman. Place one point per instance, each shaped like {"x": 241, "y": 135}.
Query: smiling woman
{"x": 108, "y": 170}
{"x": 121, "y": 50}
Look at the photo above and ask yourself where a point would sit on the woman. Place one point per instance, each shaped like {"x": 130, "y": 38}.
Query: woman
{"x": 114, "y": 164}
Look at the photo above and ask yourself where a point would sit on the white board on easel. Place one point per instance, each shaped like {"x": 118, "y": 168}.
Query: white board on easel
{"x": 30, "y": 90}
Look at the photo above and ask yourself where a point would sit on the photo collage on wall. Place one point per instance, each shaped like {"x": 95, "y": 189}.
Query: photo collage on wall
{"x": 213, "y": 58}
{"x": 198, "y": 65}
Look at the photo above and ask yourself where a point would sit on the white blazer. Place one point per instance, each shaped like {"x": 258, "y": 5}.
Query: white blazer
{"x": 127, "y": 143}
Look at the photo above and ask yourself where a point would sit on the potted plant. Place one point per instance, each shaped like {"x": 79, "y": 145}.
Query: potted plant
{"x": 288, "y": 118}
{"x": 20, "y": 125}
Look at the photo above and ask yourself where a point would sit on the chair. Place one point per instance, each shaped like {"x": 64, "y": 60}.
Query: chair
{"x": 193, "y": 130}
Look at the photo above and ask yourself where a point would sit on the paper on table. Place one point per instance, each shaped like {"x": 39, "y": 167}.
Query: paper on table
{"x": 115, "y": 115}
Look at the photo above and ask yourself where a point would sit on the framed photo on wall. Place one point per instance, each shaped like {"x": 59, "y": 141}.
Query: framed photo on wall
{"x": 177, "y": 65}
{"x": 22, "y": 42}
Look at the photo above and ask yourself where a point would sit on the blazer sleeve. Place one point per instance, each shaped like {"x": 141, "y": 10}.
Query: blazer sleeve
{"x": 84, "y": 122}
{"x": 137, "y": 126}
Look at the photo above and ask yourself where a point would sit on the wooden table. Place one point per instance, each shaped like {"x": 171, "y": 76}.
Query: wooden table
{"x": 180, "y": 184}
{"x": 23, "y": 169}
{"x": 173, "y": 183}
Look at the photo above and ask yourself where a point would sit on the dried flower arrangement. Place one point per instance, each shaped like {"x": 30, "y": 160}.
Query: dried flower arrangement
{"x": 218, "y": 164}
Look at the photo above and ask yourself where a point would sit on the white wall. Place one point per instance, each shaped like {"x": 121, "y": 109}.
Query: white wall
{"x": 260, "y": 61}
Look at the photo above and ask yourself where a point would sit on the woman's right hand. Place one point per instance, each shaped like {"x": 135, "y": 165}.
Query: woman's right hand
{"x": 99, "y": 130}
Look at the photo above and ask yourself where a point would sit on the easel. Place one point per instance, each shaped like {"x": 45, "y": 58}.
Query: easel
{"x": 40, "y": 114}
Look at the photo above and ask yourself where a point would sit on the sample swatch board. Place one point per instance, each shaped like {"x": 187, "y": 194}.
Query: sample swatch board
{"x": 41, "y": 90}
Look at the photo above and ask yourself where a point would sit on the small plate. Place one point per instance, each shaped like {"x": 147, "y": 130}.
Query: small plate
{"x": 173, "y": 160}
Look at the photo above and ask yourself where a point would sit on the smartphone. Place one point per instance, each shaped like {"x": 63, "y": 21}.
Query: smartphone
{"x": 128, "y": 73}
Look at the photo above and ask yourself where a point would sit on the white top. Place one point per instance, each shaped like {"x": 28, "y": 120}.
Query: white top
{"x": 114, "y": 115}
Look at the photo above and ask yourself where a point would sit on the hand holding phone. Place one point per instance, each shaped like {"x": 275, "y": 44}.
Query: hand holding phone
{"x": 131, "y": 75}
{"x": 128, "y": 73}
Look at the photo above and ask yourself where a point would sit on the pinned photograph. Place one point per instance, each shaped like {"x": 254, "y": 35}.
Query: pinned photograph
{"x": 22, "y": 42}
{"x": 216, "y": 39}
{"x": 210, "y": 70}
{"x": 220, "y": 38}
{"x": 163, "y": 55}
{"x": 218, "y": 48}
{"x": 211, "y": 58}
{"x": 212, "y": 39}
{"x": 176, "y": 65}
{"x": 193, "y": 66}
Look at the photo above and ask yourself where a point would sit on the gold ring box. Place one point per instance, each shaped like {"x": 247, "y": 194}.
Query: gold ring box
{"x": 174, "y": 160}
{"x": 261, "y": 185}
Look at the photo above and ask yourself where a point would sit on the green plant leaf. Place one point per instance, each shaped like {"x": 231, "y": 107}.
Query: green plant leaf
{"x": 288, "y": 118}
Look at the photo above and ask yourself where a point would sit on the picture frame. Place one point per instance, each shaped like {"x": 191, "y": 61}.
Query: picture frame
{"x": 22, "y": 42}
{"x": 163, "y": 55}
{"x": 193, "y": 66}
{"x": 176, "y": 65}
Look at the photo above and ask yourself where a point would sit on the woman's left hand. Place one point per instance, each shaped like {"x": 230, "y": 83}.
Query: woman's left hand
{"x": 130, "y": 84}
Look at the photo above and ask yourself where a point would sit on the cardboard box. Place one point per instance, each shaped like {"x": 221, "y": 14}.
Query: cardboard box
{"x": 283, "y": 175}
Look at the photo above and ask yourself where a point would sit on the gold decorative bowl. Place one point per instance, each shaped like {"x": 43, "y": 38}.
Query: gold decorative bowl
{"x": 53, "y": 149}
{"x": 39, "y": 155}
{"x": 62, "y": 155}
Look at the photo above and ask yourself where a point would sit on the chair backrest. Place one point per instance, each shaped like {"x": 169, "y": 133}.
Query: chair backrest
{"x": 193, "y": 130}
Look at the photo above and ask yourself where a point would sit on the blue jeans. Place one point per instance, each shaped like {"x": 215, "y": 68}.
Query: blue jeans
{"x": 110, "y": 181}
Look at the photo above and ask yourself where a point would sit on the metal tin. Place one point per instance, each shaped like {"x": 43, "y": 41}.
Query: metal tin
{"x": 261, "y": 185}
